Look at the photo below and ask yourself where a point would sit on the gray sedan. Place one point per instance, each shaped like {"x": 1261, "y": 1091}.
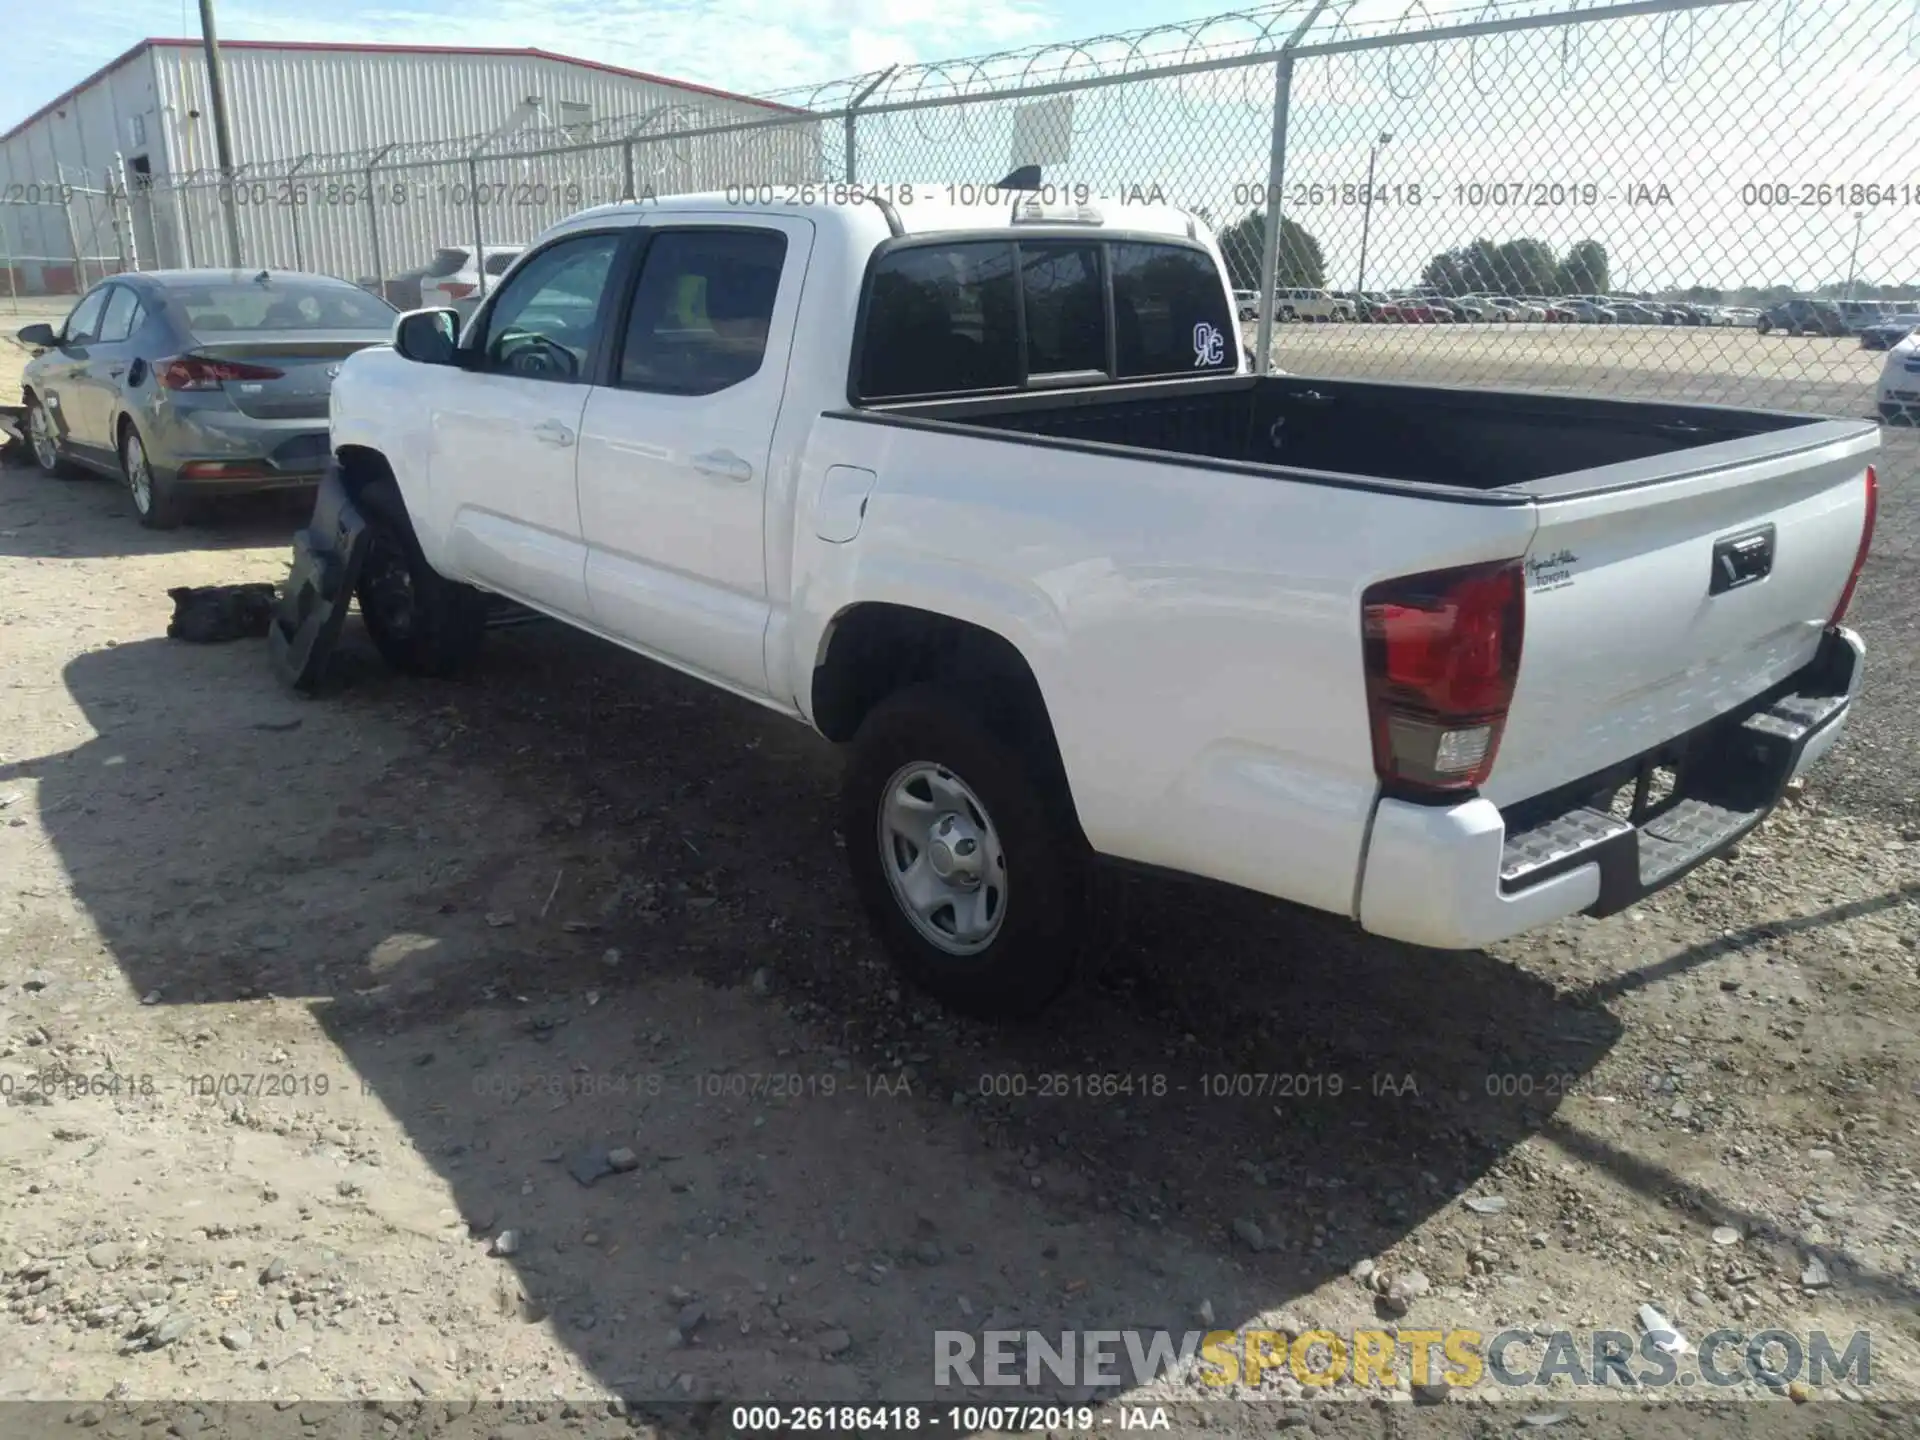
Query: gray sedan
{"x": 187, "y": 382}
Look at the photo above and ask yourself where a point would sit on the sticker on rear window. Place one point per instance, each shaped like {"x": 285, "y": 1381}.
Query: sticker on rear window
{"x": 1209, "y": 345}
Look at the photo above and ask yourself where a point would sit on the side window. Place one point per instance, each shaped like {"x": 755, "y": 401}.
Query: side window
{"x": 701, "y": 310}
{"x": 1066, "y": 308}
{"x": 1169, "y": 312}
{"x": 118, "y": 321}
{"x": 83, "y": 325}
{"x": 545, "y": 321}
{"x": 499, "y": 264}
{"x": 941, "y": 319}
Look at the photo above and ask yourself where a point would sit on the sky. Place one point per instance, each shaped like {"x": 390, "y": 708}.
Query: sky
{"x": 1723, "y": 147}
{"x": 762, "y": 44}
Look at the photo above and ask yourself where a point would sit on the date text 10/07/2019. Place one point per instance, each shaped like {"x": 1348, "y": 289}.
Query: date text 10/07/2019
{"x": 954, "y": 1419}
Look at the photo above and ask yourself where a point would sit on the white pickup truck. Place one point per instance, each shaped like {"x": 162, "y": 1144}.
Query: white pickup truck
{"x": 989, "y": 494}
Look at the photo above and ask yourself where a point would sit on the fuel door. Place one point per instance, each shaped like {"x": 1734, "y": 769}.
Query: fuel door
{"x": 842, "y": 504}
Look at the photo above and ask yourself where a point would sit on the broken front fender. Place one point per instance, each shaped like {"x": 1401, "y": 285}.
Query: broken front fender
{"x": 327, "y": 556}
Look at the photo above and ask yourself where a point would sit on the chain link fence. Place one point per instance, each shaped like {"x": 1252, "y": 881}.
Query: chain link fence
{"x": 58, "y": 239}
{"x": 1712, "y": 200}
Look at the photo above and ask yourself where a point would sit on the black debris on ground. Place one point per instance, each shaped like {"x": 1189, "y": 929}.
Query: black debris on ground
{"x": 209, "y": 614}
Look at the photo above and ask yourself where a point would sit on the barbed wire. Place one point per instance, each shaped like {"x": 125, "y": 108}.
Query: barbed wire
{"x": 919, "y": 89}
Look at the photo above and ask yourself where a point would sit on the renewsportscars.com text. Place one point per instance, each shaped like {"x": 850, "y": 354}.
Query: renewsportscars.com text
{"x": 1457, "y": 1358}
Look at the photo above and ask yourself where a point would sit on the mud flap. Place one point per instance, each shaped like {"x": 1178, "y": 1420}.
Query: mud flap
{"x": 327, "y": 556}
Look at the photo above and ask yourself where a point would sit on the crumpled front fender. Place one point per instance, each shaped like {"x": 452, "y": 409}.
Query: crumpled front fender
{"x": 327, "y": 556}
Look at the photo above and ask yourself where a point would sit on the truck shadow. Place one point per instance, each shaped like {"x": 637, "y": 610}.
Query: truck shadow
{"x": 1241, "y": 1103}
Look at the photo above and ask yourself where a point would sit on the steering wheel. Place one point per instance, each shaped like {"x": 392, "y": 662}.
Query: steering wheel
{"x": 538, "y": 358}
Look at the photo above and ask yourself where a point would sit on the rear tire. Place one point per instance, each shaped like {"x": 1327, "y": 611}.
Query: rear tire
{"x": 156, "y": 499}
{"x": 950, "y": 815}
{"x": 421, "y": 622}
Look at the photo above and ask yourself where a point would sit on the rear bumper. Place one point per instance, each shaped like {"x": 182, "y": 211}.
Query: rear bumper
{"x": 289, "y": 452}
{"x": 1460, "y": 876}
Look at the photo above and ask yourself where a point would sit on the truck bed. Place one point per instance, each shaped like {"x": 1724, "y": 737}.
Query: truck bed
{"x": 1396, "y": 436}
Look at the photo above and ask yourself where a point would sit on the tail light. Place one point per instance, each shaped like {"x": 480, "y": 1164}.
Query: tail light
{"x": 196, "y": 372}
{"x": 1442, "y": 655}
{"x": 456, "y": 289}
{"x": 1866, "y": 541}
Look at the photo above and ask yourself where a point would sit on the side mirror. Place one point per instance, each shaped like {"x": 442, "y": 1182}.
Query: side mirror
{"x": 431, "y": 337}
{"x": 39, "y": 336}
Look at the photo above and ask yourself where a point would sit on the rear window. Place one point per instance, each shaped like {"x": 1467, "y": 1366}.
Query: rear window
{"x": 499, "y": 264}
{"x": 280, "y": 304}
{"x": 945, "y": 319}
{"x": 1169, "y": 317}
{"x": 450, "y": 261}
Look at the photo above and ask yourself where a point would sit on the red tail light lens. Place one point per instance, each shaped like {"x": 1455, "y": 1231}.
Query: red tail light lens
{"x": 196, "y": 372}
{"x": 1442, "y": 655}
{"x": 1866, "y": 543}
{"x": 456, "y": 289}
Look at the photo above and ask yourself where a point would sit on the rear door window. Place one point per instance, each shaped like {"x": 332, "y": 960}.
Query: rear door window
{"x": 118, "y": 322}
{"x": 1169, "y": 312}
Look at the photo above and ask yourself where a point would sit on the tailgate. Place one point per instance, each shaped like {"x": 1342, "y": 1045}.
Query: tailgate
{"x": 1666, "y": 591}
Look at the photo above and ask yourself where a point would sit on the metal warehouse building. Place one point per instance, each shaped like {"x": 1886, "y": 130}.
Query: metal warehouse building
{"x": 360, "y": 159}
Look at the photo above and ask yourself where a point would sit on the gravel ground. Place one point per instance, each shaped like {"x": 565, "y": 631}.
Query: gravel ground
{"x": 310, "y": 1010}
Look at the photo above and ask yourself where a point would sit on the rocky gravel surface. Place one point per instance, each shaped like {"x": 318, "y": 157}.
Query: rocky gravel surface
{"x": 431, "y": 1047}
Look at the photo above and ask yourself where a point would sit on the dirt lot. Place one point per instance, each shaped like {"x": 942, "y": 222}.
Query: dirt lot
{"x": 310, "y": 1010}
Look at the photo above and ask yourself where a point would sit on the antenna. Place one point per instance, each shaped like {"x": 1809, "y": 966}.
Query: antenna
{"x": 1027, "y": 177}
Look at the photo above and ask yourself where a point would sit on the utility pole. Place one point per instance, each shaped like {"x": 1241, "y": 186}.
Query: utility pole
{"x": 222, "y": 130}
{"x": 1853, "y": 260}
{"x": 1366, "y": 221}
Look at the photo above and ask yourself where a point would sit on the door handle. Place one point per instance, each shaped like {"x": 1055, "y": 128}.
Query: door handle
{"x": 725, "y": 464}
{"x": 552, "y": 432}
{"x": 114, "y": 372}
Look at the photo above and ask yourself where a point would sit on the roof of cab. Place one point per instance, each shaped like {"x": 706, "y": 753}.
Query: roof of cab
{"x": 922, "y": 209}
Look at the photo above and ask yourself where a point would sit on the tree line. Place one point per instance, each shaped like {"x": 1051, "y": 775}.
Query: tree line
{"x": 1523, "y": 266}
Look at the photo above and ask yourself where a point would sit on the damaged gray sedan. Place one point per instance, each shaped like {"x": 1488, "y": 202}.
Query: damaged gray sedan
{"x": 187, "y": 383}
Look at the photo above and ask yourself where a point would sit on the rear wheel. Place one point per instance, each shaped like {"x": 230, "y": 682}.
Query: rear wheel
{"x": 421, "y": 622}
{"x": 156, "y": 500}
{"x": 964, "y": 853}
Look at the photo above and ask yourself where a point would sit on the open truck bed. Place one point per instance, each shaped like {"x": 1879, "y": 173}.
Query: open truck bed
{"x": 1375, "y": 434}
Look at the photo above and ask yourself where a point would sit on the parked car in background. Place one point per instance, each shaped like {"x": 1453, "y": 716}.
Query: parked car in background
{"x": 1638, "y": 312}
{"x": 1900, "y": 383}
{"x": 450, "y": 268}
{"x": 1246, "y": 304}
{"x": 1803, "y": 317}
{"x": 461, "y": 289}
{"x": 1588, "y": 312}
{"x": 1887, "y": 333}
{"x": 185, "y": 383}
{"x": 1304, "y": 303}
{"x": 1405, "y": 310}
{"x": 1742, "y": 315}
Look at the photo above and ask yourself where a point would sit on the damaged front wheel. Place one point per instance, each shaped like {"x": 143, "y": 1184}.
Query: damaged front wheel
{"x": 421, "y": 622}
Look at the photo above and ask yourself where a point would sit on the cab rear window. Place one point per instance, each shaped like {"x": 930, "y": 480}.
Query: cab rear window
{"x": 971, "y": 316}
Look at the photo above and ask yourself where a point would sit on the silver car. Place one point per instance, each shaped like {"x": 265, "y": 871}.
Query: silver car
{"x": 184, "y": 383}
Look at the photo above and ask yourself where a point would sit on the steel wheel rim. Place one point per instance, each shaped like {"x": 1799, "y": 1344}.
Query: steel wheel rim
{"x": 139, "y": 477}
{"x": 943, "y": 858}
{"x": 40, "y": 428}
